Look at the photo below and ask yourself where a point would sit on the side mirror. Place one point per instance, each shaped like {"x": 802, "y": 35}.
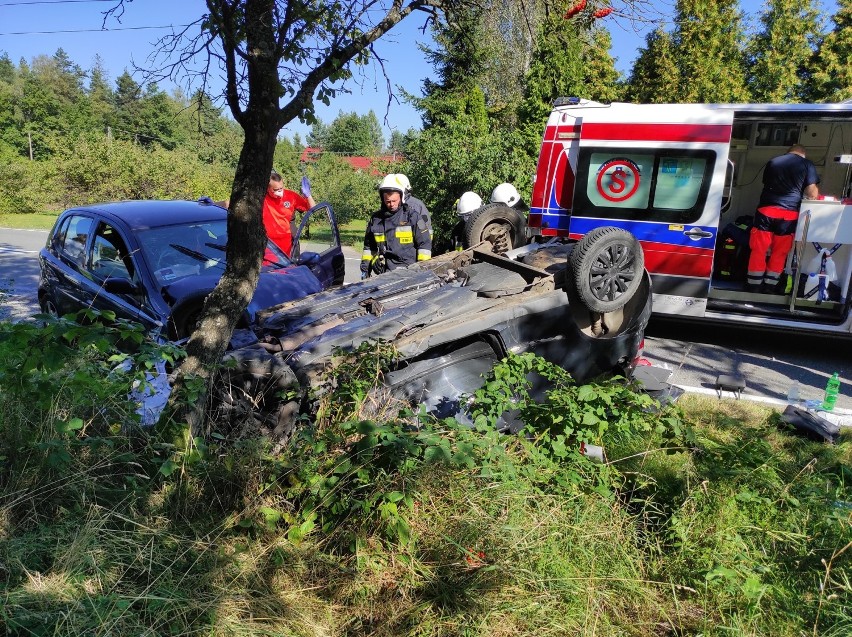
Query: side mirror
{"x": 309, "y": 258}
{"x": 119, "y": 285}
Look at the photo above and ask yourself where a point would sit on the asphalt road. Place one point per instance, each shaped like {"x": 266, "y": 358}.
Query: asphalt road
{"x": 696, "y": 355}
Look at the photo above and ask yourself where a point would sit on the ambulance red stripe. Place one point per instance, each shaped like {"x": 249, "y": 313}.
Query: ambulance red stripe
{"x": 718, "y": 133}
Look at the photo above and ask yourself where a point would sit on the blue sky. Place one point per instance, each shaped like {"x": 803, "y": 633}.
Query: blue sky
{"x": 75, "y": 26}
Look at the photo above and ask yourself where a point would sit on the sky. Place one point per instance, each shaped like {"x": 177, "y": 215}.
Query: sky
{"x": 39, "y": 27}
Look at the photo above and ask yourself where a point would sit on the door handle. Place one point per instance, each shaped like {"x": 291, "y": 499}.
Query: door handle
{"x": 698, "y": 233}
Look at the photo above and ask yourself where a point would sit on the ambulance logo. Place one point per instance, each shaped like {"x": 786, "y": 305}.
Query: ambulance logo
{"x": 618, "y": 180}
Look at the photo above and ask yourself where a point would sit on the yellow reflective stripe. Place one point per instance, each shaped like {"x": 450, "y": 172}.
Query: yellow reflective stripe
{"x": 424, "y": 255}
{"x": 380, "y": 238}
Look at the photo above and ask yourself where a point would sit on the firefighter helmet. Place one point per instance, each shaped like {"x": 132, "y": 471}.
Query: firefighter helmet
{"x": 397, "y": 182}
{"x": 505, "y": 193}
{"x": 467, "y": 203}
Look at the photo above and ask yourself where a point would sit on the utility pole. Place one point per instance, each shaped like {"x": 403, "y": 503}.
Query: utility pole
{"x": 30, "y": 138}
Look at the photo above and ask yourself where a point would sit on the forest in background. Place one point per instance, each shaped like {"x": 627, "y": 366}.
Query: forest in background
{"x": 70, "y": 135}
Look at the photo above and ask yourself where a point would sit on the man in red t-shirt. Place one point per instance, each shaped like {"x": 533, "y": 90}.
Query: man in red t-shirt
{"x": 279, "y": 209}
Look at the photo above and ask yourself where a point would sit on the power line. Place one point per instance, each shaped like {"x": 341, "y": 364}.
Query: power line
{"x": 165, "y": 26}
{"x": 16, "y": 4}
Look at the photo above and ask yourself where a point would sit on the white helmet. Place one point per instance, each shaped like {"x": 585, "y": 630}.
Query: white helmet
{"x": 467, "y": 203}
{"x": 505, "y": 193}
{"x": 397, "y": 182}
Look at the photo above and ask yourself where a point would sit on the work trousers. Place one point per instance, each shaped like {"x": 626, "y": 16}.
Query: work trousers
{"x": 773, "y": 232}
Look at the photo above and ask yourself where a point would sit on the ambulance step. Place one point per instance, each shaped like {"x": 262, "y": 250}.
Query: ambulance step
{"x": 827, "y": 315}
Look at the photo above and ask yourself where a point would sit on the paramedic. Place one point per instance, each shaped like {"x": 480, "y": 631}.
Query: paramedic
{"x": 787, "y": 179}
{"x": 279, "y": 208}
{"x": 399, "y": 233}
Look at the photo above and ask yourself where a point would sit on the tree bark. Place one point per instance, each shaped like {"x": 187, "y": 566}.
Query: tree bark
{"x": 246, "y": 234}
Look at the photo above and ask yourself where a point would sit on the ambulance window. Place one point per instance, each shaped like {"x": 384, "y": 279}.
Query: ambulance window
{"x": 663, "y": 185}
{"x": 679, "y": 181}
{"x": 616, "y": 179}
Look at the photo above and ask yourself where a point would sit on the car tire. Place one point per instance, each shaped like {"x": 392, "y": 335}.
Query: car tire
{"x": 606, "y": 268}
{"x": 497, "y": 223}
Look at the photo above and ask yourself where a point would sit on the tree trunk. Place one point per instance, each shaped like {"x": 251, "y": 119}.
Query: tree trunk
{"x": 246, "y": 234}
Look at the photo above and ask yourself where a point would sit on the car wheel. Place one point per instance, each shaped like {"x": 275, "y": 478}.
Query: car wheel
{"x": 606, "y": 268}
{"x": 497, "y": 223}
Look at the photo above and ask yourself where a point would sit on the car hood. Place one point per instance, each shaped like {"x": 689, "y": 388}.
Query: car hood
{"x": 273, "y": 287}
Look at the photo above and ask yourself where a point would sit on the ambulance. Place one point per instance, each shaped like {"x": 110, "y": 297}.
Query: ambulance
{"x": 685, "y": 180}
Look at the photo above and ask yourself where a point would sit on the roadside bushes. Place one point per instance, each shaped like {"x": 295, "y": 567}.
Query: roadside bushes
{"x": 25, "y": 186}
{"x": 96, "y": 169}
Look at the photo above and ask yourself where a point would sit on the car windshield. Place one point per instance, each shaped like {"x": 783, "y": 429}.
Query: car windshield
{"x": 189, "y": 249}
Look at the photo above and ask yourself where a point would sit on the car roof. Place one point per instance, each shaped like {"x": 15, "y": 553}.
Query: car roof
{"x": 141, "y": 215}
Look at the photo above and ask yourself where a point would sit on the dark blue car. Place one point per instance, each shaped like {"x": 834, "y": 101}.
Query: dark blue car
{"x": 154, "y": 262}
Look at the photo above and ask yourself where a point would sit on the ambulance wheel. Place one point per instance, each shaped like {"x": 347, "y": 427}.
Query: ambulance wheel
{"x": 606, "y": 268}
{"x": 497, "y": 223}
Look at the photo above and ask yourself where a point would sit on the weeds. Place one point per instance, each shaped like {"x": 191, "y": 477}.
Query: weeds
{"x": 707, "y": 519}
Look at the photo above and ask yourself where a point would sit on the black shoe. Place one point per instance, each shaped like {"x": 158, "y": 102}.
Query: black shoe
{"x": 754, "y": 289}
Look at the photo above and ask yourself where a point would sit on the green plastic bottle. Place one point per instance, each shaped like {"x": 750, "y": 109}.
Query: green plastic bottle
{"x": 832, "y": 388}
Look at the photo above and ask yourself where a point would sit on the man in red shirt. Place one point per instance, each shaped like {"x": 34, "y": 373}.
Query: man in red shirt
{"x": 279, "y": 210}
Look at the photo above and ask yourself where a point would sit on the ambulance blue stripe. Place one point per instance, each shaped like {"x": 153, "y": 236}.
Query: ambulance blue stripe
{"x": 648, "y": 231}
{"x": 642, "y": 230}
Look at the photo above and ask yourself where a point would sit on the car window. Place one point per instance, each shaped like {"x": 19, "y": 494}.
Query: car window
{"x": 178, "y": 251}
{"x": 110, "y": 257}
{"x": 664, "y": 185}
{"x": 70, "y": 240}
{"x": 317, "y": 230}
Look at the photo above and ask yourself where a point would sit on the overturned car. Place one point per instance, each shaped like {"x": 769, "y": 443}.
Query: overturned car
{"x": 583, "y": 306}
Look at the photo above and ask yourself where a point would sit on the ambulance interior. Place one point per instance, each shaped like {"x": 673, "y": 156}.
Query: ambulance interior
{"x": 828, "y": 223}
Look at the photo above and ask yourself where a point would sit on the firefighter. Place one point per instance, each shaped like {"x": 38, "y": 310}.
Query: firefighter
{"x": 466, "y": 204}
{"x": 399, "y": 233}
{"x": 786, "y": 180}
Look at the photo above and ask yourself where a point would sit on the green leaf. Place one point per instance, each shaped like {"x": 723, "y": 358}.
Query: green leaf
{"x": 271, "y": 517}
{"x": 586, "y": 393}
{"x": 67, "y": 427}
{"x": 168, "y": 468}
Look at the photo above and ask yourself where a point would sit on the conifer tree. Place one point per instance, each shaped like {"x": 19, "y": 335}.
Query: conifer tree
{"x": 655, "y": 78}
{"x": 832, "y": 75}
{"x": 780, "y": 53}
{"x": 708, "y": 41}
{"x": 560, "y": 45}
{"x": 600, "y": 76}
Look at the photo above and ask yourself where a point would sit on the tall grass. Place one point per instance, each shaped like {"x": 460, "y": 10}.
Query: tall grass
{"x": 735, "y": 526}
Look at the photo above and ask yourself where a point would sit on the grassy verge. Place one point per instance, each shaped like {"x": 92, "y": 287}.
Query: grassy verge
{"x": 351, "y": 234}
{"x": 28, "y": 221}
{"x": 709, "y": 519}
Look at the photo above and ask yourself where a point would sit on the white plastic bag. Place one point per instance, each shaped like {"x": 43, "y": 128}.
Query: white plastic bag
{"x": 814, "y": 267}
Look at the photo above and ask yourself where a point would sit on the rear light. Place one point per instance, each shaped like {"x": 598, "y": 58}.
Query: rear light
{"x": 639, "y": 360}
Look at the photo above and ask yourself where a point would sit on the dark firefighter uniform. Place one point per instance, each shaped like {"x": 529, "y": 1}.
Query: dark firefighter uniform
{"x": 397, "y": 239}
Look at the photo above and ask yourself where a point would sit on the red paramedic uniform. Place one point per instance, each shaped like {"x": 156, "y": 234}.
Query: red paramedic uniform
{"x": 278, "y": 215}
